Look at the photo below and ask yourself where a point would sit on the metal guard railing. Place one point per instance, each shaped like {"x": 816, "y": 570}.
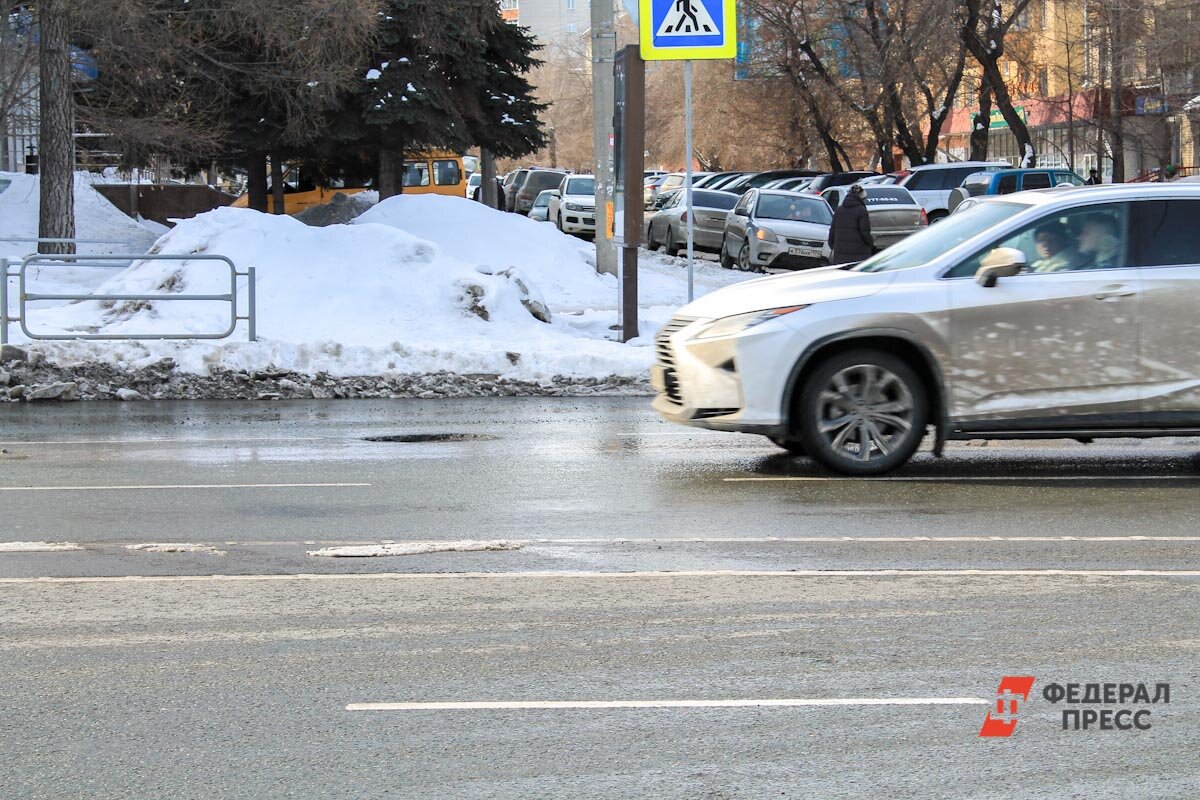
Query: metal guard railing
{"x": 119, "y": 261}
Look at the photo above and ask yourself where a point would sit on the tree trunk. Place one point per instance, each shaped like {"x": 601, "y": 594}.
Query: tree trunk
{"x": 982, "y": 123}
{"x": 391, "y": 173}
{"x": 56, "y": 135}
{"x": 256, "y": 181}
{"x": 487, "y": 181}
{"x": 1116, "y": 129}
{"x": 278, "y": 200}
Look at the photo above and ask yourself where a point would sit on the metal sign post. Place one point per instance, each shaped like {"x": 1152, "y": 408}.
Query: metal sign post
{"x": 629, "y": 131}
{"x": 688, "y": 30}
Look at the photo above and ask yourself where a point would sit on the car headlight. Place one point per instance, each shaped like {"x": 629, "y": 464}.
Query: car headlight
{"x": 574, "y": 207}
{"x": 728, "y": 326}
{"x": 764, "y": 235}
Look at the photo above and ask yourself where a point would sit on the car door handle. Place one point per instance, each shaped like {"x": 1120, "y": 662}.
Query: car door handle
{"x": 1115, "y": 292}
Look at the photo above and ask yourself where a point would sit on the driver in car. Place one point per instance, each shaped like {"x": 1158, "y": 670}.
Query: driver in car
{"x": 1054, "y": 250}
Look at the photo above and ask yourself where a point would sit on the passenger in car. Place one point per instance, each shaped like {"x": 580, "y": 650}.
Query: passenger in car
{"x": 1100, "y": 243}
{"x": 1054, "y": 247}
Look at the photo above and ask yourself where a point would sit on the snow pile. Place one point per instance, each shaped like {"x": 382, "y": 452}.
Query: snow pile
{"x": 416, "y": 285}
{"x": 95, "y": 218}
{"x": 563, "y": 267}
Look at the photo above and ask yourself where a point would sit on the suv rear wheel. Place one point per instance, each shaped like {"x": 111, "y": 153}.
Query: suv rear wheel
{"x": 862, "y": 412}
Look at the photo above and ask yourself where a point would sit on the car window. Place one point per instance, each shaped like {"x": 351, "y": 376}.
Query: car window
{"x": 793, "y": 208}
{"x": 581, "y": 186}
{"x": 717, "y": 200}
{"x": 1007, "y": 184}
{"x": 446, "y": 172}
{"x": 833, "y": 197}
{"x": 542, "y": 200}
{"x": 743, "y": 205}
{"x": 1093, "y": 237}
{"x": 416, "y": 173}
{"x": 1068, "y": 177}
{"x": 915, "y": 181}
{"x": 671, "y": 182}
{"x": 888, "y": 195}
{"x": 929, "y": 243}
{"x": 1036, "y": 180}
{"x": 1166, "y": 233}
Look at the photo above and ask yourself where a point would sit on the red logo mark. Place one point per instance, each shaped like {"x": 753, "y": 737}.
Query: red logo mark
{"x": 1002, "y": 719}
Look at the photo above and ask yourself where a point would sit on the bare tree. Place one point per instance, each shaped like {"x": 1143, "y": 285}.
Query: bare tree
{"x": 984, "y": 33}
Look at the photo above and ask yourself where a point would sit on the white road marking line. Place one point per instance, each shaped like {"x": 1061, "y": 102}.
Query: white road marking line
{"x": 865, "y": 539}
{"x": 417, "y": 548}
{"x": 38, "y": 547}
{"x": 175, "y": 547}
{"x": 750, "y": 703}
{"x": 181, "y": 486}
{"x": 963, "y": 479}
{"x": 714, "y": 573}
{"x": 196, "y": 440}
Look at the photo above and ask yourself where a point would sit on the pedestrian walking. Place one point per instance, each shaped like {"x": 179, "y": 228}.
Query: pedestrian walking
{"x": 850, "y": 234}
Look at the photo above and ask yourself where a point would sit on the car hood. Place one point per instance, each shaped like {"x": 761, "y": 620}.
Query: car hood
{"x": 790, "y": 289}
{"x": 580, "y": 199}
{"x": 799, "y": 230}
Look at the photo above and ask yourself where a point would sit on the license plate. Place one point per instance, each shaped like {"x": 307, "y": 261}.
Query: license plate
{"x": 804, "y": 252}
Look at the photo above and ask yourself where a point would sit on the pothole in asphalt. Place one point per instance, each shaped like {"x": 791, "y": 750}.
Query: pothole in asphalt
{"x": 416, "y": 438}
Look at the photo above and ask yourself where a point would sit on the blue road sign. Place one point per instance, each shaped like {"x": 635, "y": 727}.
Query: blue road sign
{"x": 688, "y": 29}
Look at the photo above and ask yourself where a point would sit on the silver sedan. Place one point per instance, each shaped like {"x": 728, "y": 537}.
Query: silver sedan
{"x": 771, "y": 228}
{"x": 668, "y": 226}
{"x": 895, "y": 214}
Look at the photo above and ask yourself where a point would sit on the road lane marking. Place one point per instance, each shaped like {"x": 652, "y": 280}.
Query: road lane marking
{"x": 786, "y": 702}
{"x": 961, "y": 479}
{"x": 38, "y": 547}
{"x": 554, "y": 575}
{"x": 197, "y": 440}
{"x": 180, "y": 486}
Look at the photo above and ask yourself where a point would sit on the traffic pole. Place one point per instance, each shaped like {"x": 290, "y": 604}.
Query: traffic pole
{"x": 687, "y": 136}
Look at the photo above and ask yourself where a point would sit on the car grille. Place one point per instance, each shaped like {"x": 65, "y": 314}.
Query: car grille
{"x": 786, "y": 261}
{"x": 805, "y": 243}
{"x": 666, "y": 358}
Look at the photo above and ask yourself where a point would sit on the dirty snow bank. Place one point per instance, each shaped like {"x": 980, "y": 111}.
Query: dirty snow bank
{"x": 418, "y": 285}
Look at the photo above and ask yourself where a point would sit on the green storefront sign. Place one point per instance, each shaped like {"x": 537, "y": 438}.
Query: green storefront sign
{"x": 997, "y": 120}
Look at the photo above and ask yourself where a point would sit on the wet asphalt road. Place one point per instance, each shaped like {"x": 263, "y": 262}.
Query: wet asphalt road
{"x": 137, "y": 676}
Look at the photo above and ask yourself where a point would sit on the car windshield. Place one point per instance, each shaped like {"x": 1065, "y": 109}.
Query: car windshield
{"x": 928, "y": 244}
{"x": 795, "y": 209}
{"x": 717, "y": 200}
{"x": 543, "y": 200}
{"x": 581, "y": 186}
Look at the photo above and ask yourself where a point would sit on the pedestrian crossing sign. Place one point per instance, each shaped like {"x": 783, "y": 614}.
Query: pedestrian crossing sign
{"x": 688, "y": 29}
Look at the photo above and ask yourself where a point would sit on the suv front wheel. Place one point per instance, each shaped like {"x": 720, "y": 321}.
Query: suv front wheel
{"x": 862, "y": 412}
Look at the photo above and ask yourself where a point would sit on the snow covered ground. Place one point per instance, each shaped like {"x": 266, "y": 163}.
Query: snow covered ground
{"x": 417, "y": 284}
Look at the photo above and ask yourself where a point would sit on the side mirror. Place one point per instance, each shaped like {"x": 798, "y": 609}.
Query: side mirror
{"x": 741, "y": 212}
{"x": 555, "y": 193}
{"x": 1003, "y": 262}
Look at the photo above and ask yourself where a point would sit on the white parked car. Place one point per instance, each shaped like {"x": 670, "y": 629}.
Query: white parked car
{"x": 473, "y": 184}
{"x": 573, "y": 206}
{"x": 1046, "y": 314}
{"x": 932, "y": 184}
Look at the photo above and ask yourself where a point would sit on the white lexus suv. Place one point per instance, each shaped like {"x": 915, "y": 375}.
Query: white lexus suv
{"x": 1049, "y": 314}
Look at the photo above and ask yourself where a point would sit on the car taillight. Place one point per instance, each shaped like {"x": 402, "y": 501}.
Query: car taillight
{"x": 683, "y": 217}
{"x": 924, "y": 217}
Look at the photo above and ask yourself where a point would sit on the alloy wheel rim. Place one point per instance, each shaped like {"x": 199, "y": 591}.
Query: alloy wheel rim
{"x": 865, "y": 412}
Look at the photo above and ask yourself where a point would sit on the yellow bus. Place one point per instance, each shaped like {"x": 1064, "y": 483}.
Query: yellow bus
{"x": 435, "y": 172}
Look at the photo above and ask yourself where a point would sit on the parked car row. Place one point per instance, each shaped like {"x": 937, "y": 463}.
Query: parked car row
{"x": 777, "y": 228}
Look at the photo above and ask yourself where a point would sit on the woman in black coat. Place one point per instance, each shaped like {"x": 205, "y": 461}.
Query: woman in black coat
{"x": 850, "y": 234}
